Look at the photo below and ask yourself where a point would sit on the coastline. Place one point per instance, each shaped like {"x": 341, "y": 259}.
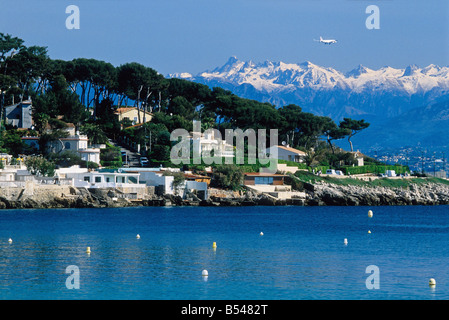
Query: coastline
{"x": 318, "y": 194}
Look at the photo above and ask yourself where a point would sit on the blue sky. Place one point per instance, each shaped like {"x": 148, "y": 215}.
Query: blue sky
{"x": 196, "y": 35}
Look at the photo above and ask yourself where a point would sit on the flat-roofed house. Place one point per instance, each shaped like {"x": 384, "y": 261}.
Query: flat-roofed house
{"x": 258, "y": 178}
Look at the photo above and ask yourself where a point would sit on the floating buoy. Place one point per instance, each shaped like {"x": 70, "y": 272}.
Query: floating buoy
{"x": 345, "y": 241}
{"x": 205, "y": 273}
{"x": 138, "y": 236}
{"x": 10, "y": 240}
{"x": 369, "y": 231}
{"x": 88, "y": 250}
{"x": 432, "y": 282}
{"x": 261, "y": 233}
{"x": 214, "y": 245}
{"x": 370, "y": 214}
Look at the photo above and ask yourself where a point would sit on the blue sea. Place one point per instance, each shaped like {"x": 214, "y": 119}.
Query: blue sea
{"x": 301, "y": 254}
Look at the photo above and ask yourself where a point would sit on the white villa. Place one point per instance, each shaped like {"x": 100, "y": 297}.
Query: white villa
{"x": 358, "y": 156}
{"x": 73, "y": 142}
{"x": 164, "y": 183}
{"x": 287, "y": 153}
{"x": 207, "y": 141}
{"x": 94, "y": 179}
{"x": 125, "y": 182}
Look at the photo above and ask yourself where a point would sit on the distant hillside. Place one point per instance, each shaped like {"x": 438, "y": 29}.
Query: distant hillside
{"x": 427, "y": 126}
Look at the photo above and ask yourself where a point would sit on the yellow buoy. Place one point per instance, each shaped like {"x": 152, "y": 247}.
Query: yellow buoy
{"x": 369, "y": 231}
{"x": 432, "y": 282}
{"x": 370, "y": 214}
{"x": 214, "y": 245}
{"x": 88, "y": 250}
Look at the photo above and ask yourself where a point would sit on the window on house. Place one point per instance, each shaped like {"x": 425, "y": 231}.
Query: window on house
{"x": 87, "y": 178}
{"x": 263, "y": 180}
{"x": 97, "y": 179}
{"x": 67, "y": 145}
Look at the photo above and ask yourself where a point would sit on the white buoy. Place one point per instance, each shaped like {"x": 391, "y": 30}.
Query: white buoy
{"x": 261, "y": 233}
{"x": 205, "y": 275}
{"x": 370, "y": 214}
{"x": 345, "y": 241}
{"x": 369, "y": 231}
{"x": 138, "y": 236}
{"x": 10, "y": 240}
{"x": 88, "y": 250}
{"x": 432, "y": 282}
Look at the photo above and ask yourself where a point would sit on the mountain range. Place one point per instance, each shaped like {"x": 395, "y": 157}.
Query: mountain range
{"x": 378, "y": 96}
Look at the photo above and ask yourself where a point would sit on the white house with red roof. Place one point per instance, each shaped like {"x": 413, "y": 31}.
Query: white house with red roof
{"x": 287, "y": 153}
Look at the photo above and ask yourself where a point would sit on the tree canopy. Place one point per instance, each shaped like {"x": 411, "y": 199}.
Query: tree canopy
{"x": 355, "y": 126}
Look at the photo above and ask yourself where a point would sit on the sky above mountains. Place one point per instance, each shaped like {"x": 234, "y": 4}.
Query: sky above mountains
{"x": 194, "y": 35}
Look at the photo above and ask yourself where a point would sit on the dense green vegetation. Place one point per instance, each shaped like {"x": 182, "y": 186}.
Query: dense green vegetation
{"x": 87, "y": 92}
{"x": 376, "y": 168}
{"x": 308, "y": 177}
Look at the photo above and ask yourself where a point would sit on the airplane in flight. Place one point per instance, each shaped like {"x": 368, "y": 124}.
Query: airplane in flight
{"x": 326, "y": 41}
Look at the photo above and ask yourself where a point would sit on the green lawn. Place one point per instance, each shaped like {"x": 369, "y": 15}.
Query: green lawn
{"x": 308, "y": 177}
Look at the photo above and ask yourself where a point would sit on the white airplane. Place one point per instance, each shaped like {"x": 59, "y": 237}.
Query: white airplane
{"x": 329, "y": 41}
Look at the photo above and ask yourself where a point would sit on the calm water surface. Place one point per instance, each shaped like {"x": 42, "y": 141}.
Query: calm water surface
{"x": 301, "y": 254}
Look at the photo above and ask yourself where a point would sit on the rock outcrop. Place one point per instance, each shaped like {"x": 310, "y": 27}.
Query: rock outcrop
{"x": 415, "y": 194}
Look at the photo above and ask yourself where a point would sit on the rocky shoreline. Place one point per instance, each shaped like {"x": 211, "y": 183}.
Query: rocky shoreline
{"x": 320, "y": 194}
{"x": 108, "y": 198}
{"x": 414, "y": 194}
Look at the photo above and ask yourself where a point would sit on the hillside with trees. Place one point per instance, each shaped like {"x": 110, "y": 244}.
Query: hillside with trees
{"x": 87, "y": 93}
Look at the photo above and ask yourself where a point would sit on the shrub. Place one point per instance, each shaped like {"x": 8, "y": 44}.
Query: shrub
{"x": 227, "y": 177}
{"x": 178, "y": 178}
{"x": 111, "y": 156}
{"x": 40, "y": 166}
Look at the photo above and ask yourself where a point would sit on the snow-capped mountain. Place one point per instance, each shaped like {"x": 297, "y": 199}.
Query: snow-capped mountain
{"x": 386, "y": 92}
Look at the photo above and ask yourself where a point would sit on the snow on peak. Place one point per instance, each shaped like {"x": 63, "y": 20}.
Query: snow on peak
{"x": 271, "y": 76}
{"x": 306, "y": 64}
{"x": 232, "y": 64}
{"x": 410, "y": 70}
{"x": 357, "y": 72}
